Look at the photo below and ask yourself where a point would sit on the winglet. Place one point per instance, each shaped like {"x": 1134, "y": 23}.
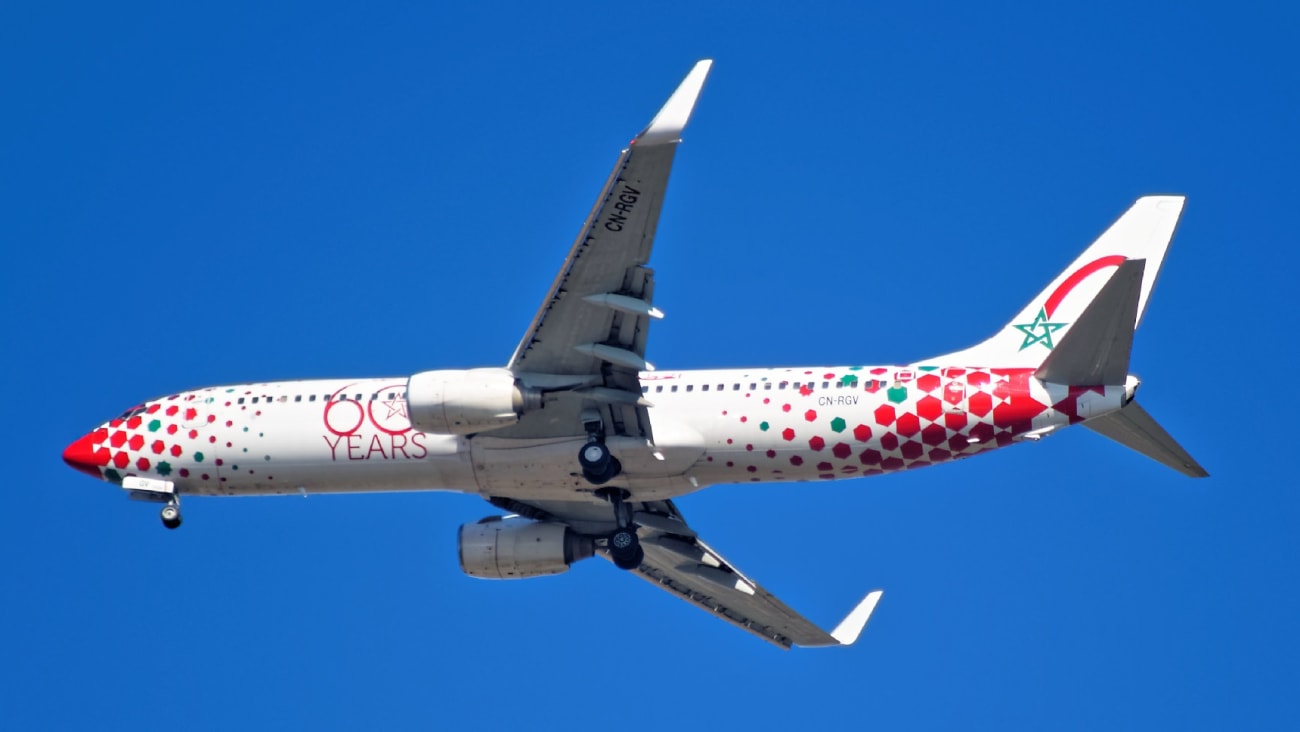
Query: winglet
{"x": 851, "y": 626}
{"x": 667, "y": 126}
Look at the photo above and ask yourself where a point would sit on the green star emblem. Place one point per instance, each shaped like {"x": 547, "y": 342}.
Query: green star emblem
{"x": 1039, "y": 331}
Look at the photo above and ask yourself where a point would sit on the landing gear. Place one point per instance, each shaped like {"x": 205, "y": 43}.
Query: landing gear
{"x": 156, "y": 491}
{"x": 624, "y": 545}
{"x": 171, "y": 514}
{"x": 599, "y": 465}
{"x": 625, "y": 549}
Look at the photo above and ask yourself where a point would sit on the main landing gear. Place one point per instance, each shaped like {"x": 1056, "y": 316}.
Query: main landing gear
{"x": 624, "y": 545}
{"x": 599, "y": 465}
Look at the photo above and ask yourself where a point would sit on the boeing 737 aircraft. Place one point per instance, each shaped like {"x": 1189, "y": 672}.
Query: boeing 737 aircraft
{"x": 586, "y": 445}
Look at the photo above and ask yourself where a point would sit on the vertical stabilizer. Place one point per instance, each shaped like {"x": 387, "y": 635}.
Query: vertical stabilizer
{"x": 1143, "y": 232}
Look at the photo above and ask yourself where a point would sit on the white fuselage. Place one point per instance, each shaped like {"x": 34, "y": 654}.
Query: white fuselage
{"x": 721, "y": 426}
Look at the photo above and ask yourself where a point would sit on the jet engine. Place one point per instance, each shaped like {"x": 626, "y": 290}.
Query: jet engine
{"x": 512, "y": 547}
{"x": 465, "y": 402}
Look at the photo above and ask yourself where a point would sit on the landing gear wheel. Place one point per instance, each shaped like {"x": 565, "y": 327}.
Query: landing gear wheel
{"x": 171, "y": 515}
{"x": 594, "y": 458}
{"x": 612, "y": 469}
{"x": 625, "y": 549}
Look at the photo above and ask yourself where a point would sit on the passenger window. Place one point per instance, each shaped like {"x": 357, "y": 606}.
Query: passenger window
{"x": 659, "y": 389}
{"x": 241, "y": 400}
{"x": 826, "y": 384}
{"x": 358, "y": 397}
{"x": 674, "y": 388}
{"x": 311, "y": 397}
{"x": 297, "y": 397}
{"x": 783, "y": 385}
{"x": 704, "y": 388}
{"x": 255, "y": 400}
{"x": 753, "y": 387}
{"x": 767, "y": 386}
{"x": 735, "y": 387}
{"x": 391, "y": 396}
{"x": 722, "y": 387}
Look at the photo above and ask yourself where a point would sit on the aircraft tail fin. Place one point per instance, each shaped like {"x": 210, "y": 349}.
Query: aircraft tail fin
{"x": 1143, "y": 232}
{"x": 1135, "y": 429}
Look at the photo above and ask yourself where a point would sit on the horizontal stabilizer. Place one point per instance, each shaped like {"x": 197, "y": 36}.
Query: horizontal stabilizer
{"x": 1096, "y": 350}
{"x": 1133, "y": 428}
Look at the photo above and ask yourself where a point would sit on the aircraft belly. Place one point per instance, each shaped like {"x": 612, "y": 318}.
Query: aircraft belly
{"x": 548, "y": 468}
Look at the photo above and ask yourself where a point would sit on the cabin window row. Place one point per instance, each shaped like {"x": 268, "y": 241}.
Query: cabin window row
{"x": 377, "y": 396}
{"x": 754, "y": 386}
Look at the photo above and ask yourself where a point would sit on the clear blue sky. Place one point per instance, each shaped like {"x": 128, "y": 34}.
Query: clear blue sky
{"x": 238, "y": 192}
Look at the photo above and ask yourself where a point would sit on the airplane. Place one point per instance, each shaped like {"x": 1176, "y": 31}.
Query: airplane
{"x": 586, "y": 445}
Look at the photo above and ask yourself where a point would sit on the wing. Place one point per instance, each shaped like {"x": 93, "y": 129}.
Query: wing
{"x": 677, "y": 560}
{"x": 588, "y": 340}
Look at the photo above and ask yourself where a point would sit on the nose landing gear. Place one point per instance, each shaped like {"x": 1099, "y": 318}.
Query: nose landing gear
{"x": 156, "y": 491}
{"x": 171, "y": 513}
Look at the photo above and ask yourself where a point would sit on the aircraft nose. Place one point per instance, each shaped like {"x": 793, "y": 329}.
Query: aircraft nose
{"x": 87, "y": 454}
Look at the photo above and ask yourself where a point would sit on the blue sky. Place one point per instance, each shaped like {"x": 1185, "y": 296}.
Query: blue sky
{"x": 231, "y": 193}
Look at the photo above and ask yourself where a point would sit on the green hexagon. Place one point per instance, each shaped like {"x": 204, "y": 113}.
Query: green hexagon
{"x": 764, "y": 426}
{"x": 897, "y": 395}
{"x": 838, "y": 424}
{"x": 154, "y": 425}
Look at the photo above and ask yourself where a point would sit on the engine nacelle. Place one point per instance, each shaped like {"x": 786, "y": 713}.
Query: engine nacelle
{"x": 465, "y": 402}
{"x": 512, "y": 547}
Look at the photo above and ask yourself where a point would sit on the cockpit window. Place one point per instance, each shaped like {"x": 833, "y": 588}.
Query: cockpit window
{"x": 133, "y": 411}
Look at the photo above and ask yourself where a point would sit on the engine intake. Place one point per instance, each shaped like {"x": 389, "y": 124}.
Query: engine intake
{"x": 462, "y": 402}
{"x": 512, "y": 547}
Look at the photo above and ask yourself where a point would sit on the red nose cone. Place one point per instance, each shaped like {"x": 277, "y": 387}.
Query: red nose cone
{"x": 84, "y": 456}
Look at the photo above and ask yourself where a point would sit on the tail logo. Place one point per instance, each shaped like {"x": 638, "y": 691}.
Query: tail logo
{"x": 1039, "y": 331}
